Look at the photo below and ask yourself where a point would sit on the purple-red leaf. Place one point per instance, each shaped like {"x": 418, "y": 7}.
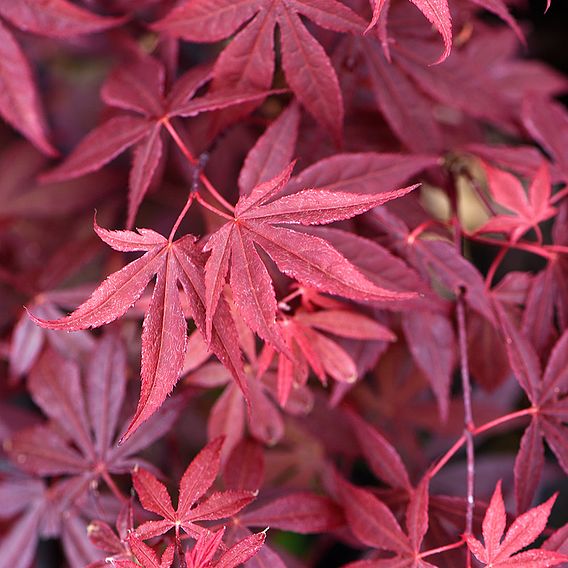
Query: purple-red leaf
{"x": 20, "y": 105}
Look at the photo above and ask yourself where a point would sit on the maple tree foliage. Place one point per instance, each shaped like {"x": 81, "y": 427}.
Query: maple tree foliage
{"x": 321, "y": 315}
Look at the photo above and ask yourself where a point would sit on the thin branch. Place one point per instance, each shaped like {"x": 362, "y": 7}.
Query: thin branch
{"x": 469, "y": 425}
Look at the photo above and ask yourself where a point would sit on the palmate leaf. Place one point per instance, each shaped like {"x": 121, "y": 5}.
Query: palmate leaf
{"x": 529, "y": 210}
{"x": 499, "y": 551}
{"x": 164, "y": 330}
{"x": 248, "y": 61}
{"x": 139, "y": 88}
{"x": 84, "y": 414}
{"x": 195, "y": 482}
{"x": 264, "y": 220}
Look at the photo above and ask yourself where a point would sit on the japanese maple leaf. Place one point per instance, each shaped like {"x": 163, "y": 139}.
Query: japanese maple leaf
{"x": 232, "y": 414}
{"x": 164, "y": 334}
{"x": 498, "y": 551}
{"x": 479, "y": 81}
{"x": 547, "y": 393}
{"x": 203, "y": 555}
{"x": 20, "y": 103}
{"x": 248, "y": 61}
{"x": 192, "y": 505}
{"x": 529, "y": 211}
{"x": 80, "y": 440}
{"x": 139, "y": 88}
{"x": 262, "y": 219}
{"x": 313, "y": 349}
{"x": 103, "y": 537}
{"x": 437, "y": 12}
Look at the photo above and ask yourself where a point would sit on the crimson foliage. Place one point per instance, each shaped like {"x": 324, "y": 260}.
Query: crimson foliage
{"x": 357, "y": 318}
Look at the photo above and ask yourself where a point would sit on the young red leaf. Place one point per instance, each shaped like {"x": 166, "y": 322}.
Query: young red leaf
{"x": 530, "y": 211}
{"x": 498, "y": 551}
{"x": 197, "y": 479}
{"x": 309, "y": 259}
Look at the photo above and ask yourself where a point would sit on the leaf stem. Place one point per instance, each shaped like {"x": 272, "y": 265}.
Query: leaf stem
{"x": 113, "y": 486}
{"x": 546, "y": 251}
{"x": 494, "y": 266}
{"x": 558, "y": 196}
{"x": 441, "y": 549}
{"x": 204, "y": 203}
{"x": 504, "y": 419}
{"x": 183, "y": 213}
{"x": 195, "y": 163}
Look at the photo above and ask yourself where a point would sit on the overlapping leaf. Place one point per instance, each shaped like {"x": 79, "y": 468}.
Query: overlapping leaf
{"x": 529, "y": 210}
{"x": 192, "y": 506}
{"x": 248, "y": 61}
{"x": 164, "y": 334}
{"x": 262, "y": 219}
{"x": 86, "y": 414}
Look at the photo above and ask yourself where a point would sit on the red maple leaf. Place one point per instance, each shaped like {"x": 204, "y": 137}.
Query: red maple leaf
{"x": 499, "y": 552}
{"x": 80, "y": 440}
{"x": 192, "y": 505}
{"x": 139, "y": 87}
{"x": 248, "y": 61}
{"x": 164, "y": 335}
{"x": 263, "y": 219}
{"x": 529, "y": 210}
